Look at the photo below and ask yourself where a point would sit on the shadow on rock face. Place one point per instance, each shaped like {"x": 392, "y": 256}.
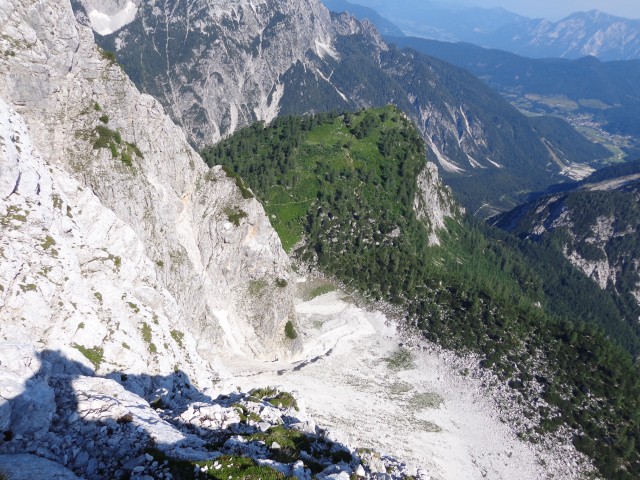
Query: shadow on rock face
{"x": 128, "y": 426}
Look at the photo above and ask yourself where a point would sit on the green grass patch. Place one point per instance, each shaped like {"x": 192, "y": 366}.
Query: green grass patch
{"x": 246, "y": 414}
{"x": 258, "y": 287}
{"x": 48, "y": 242}
{"x": 319, "y": 290}
{"x": 29, "y": 287}
{"x": 428, "y": 400}
{"x": 292, "y": 443}
{"x": 95, "y": 355}
{"x": 232, "y": 468}
{"x": 401, "y": 359}
{"x": 275, "y": 397}
{"x": 244, "y": 190}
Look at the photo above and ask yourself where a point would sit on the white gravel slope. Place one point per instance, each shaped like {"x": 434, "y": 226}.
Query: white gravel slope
{"x": 346, "y": 384}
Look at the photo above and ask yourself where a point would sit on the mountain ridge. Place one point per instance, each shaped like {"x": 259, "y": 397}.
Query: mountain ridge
{"x": 352, "y": 68}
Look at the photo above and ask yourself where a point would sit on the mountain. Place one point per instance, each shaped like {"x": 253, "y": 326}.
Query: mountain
{"x": 345, "y": 193}
{"x": 139, "y": 286}
{"x": 445, "y": 21}
{"x": 384, "y": 26}
{"x": 490, "y": 153}
{"x": 604, "y": 107}
{"x": 592, "y": 33}
{"x": 594, "y": 223}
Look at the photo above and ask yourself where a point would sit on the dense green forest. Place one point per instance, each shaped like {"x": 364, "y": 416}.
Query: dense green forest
{"x": 340, "y": 190}
{"x": 599, "y": 226}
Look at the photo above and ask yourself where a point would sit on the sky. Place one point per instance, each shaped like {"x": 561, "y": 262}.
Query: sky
{"x": 556, "y": 9}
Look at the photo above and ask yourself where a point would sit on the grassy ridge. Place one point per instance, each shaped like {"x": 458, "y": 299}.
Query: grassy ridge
{"x": 340, "y": 191}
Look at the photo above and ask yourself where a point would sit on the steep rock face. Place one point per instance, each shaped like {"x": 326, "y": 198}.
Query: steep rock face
{"x": 434, "y": 202}
{"x": 220, "y": 62}
{"x": 74, "y": 277}
{"x": 204, "y": 241}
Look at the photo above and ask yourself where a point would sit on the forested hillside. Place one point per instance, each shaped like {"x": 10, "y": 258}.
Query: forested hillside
{"x": 340, "y": 191}
{"x": 594, "y": 223}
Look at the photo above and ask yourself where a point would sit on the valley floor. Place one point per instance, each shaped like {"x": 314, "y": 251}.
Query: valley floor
{"x": 355, "y": 376}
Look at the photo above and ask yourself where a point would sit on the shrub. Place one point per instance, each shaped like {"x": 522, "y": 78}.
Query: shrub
{"x": 178, "y": 337}
{"x": 234, "y": 215}
{"x": 109, "y": 56}
{"x": 146, "y": 332}
{"x": 290, "y": 331}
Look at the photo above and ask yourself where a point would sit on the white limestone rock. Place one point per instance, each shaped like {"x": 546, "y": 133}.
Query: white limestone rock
{"x": 160, "y": 224}
{"x": 31, "y": 467}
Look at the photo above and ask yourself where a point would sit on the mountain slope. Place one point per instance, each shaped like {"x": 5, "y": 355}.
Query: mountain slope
{"x": 595, "y": 224}
{"x": 489, "y": 153}
{"x": 340, "y": 64}
{"x": 217, "y": 66}
{"x": 606, "y": 103}
{"x": 342, "y": 192}
{"x": 84, "y": 116}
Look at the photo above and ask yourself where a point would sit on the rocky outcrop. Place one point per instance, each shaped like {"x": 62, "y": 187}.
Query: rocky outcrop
{"x": 434, "y": 202}
{"x": 100, "y": 427}
{"x": 171, "y": 244}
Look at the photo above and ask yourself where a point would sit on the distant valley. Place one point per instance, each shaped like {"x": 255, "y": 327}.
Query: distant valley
{"x": 600, "y": 99}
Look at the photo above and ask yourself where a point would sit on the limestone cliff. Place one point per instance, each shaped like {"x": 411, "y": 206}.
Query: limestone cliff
{"x": 173, "y": 225}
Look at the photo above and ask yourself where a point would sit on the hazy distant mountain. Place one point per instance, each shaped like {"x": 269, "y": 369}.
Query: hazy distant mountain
{"x": 442, "y": 21}
{"x": 580, "y": 34}
{"x": 585, "y": 33}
